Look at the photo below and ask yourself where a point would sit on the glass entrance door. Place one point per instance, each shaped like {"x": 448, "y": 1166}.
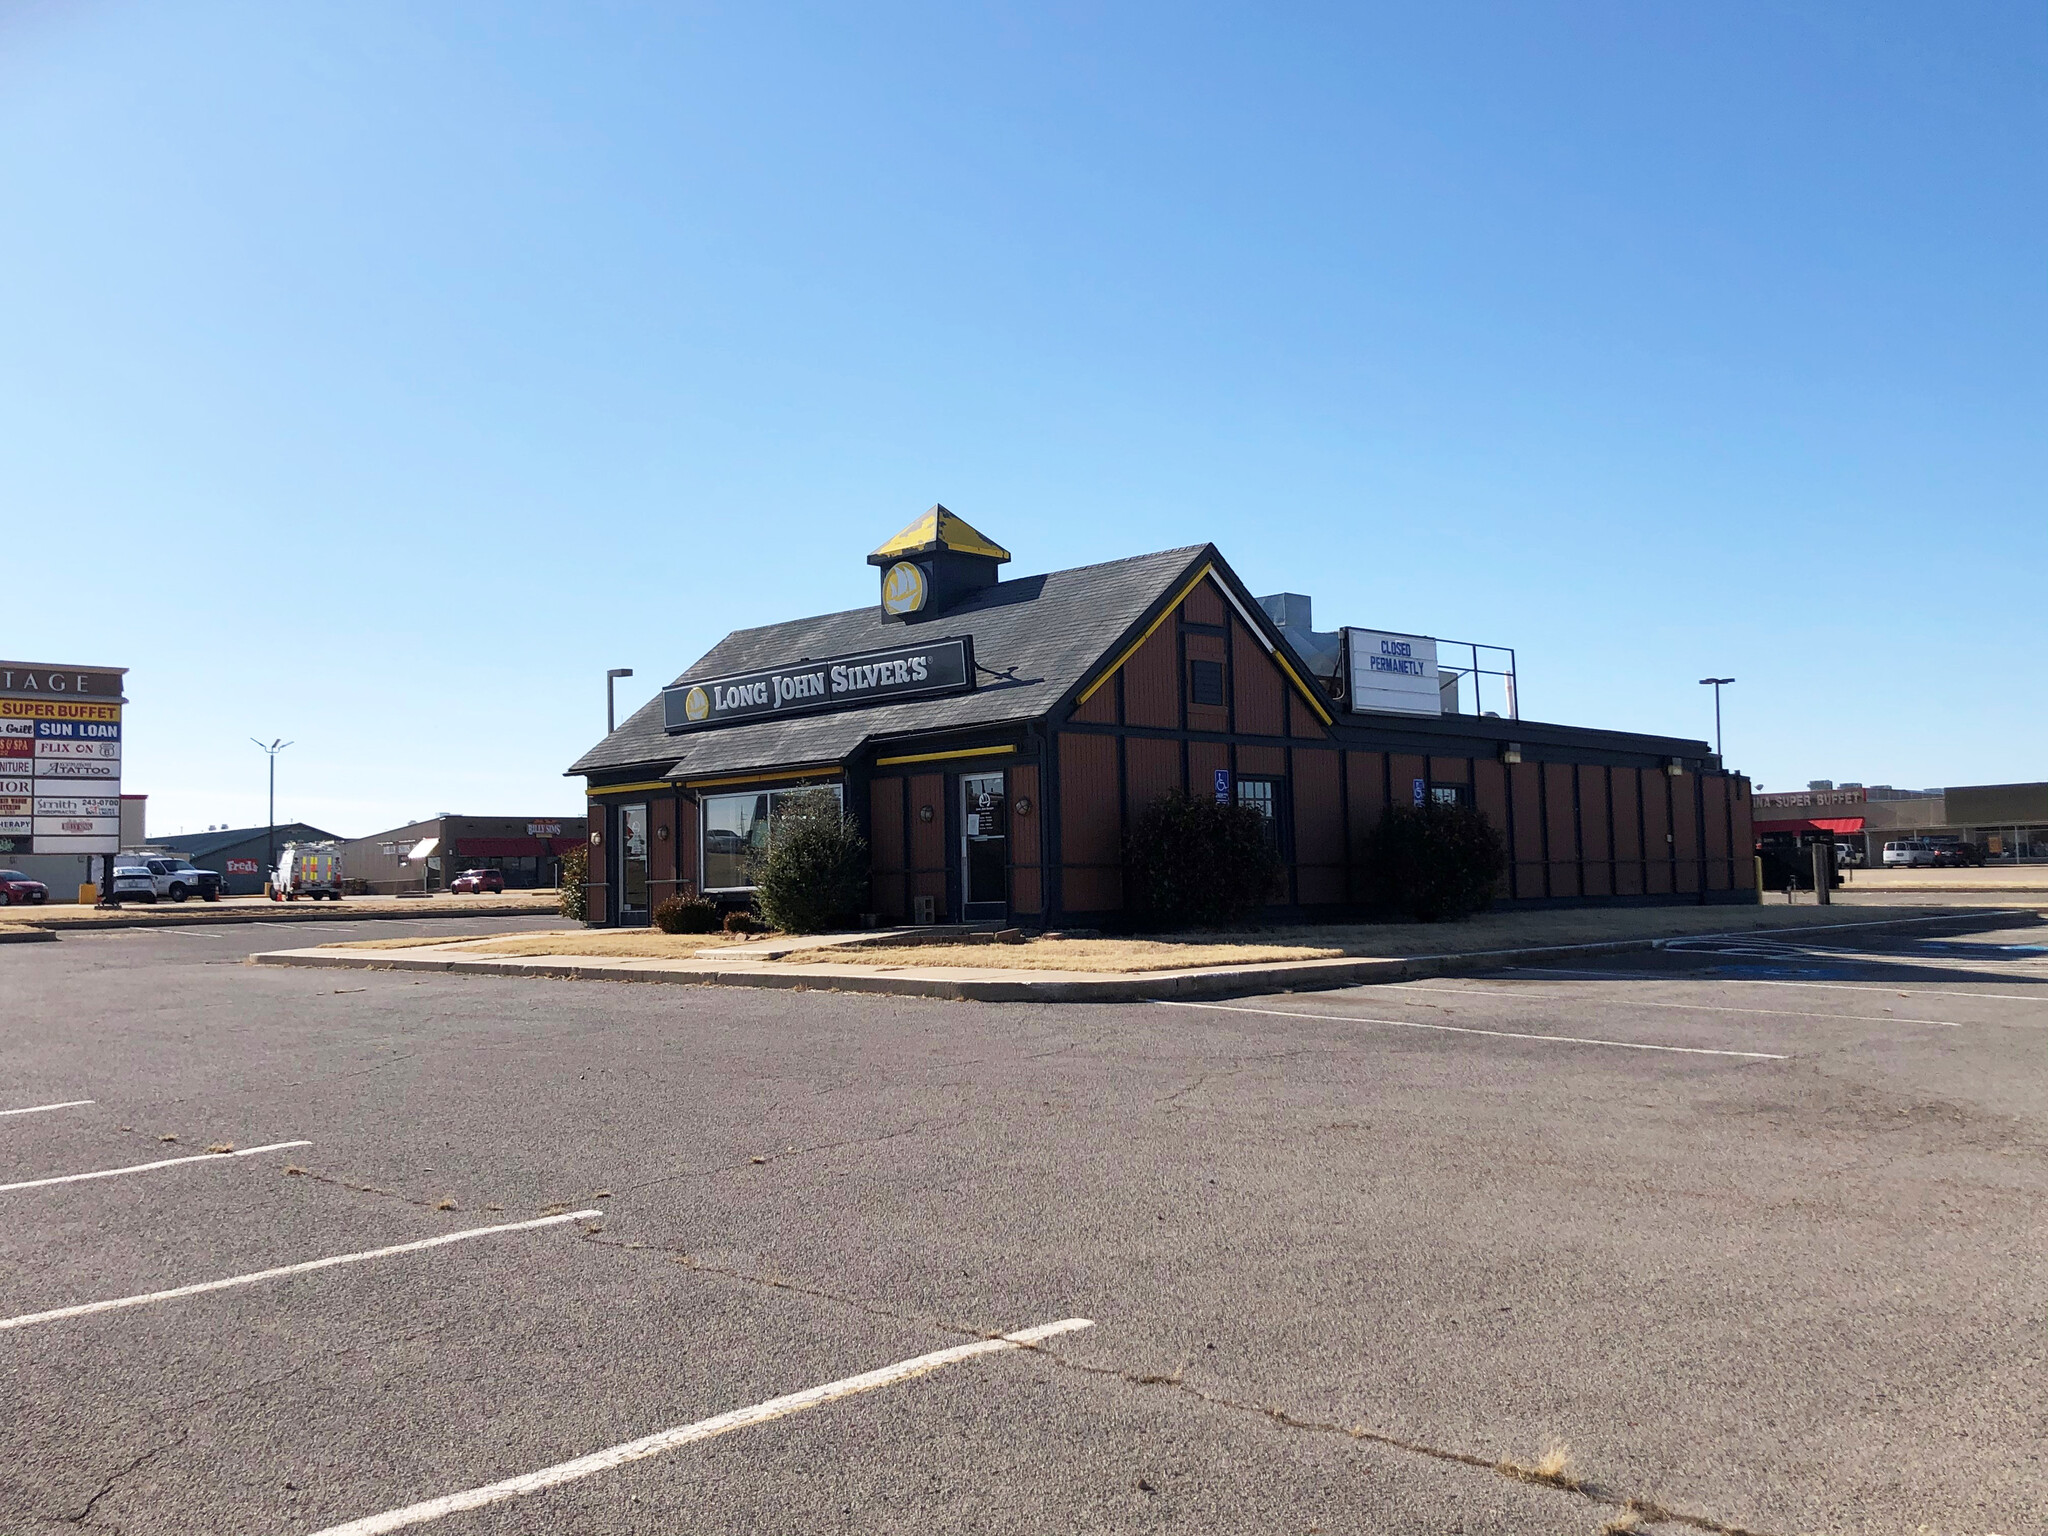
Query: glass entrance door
{"x": 632, "y": 844}
{"x": 984, "y": 847}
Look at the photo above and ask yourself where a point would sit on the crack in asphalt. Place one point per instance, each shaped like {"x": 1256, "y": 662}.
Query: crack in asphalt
{"x": 85, "y": 1514}
{"x": 1646, "y": 1510}
{"x": 775, "y": 1157}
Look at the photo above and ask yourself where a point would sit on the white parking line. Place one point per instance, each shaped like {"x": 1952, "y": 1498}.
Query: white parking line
{"x": 86, "y": 1309}
{"x": 687, "y": 1434}
{"x": 169, "y": 1162}
{"x": 1644, "y": 1002}
{"x": 1460, "y": 1029}
{"x": 1759, "y": 981}
{"x": 37, "y": 1109}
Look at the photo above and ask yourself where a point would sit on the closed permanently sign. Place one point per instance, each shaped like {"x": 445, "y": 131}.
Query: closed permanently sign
{"x": 835, "y": 682}
{"x": 1393, "y": 673}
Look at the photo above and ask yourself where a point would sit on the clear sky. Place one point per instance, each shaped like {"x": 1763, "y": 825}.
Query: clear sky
{"x": 376, "y": 376}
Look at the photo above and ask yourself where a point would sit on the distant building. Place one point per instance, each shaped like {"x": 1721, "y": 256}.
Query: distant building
{"x": 2009, "y": 822}
{"x": 241, "y": 854}
{"x": 526, "y": 850}
{"x": 64, "y": 873}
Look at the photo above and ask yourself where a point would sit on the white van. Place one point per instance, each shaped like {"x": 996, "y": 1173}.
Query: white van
{"x": 1912, "y": 853}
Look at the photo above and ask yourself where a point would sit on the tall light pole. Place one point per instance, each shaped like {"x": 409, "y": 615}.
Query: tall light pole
{"x": 270, "y": 837}
{"x": 610, "y": 713}
{"x": 1717, "y": 683}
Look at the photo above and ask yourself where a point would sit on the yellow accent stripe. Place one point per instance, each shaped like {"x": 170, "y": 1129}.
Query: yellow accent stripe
{"x": 1313, "y": 702}
{"x": 763, "y": 778}
{"x": 627, "y": 789}
{"x": 937, "y": 757}
{"x": 1178, "y": 598}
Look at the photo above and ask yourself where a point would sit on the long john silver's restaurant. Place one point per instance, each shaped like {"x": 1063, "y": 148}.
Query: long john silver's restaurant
{"x": 992, "y": 735}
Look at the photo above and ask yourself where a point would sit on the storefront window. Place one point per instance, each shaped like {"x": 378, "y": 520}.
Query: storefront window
{"x": 736, "y": 830}
{"x": 1263, "y": 796}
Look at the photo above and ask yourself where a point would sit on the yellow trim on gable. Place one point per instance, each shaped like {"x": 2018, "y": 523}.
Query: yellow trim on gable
{"x": 1314, "y": 703}
{"x": 1132, "y": 649}
{"x": 936, "y": 757}
{"x": 763, "y": 778}
{"x": 627, "y": 789}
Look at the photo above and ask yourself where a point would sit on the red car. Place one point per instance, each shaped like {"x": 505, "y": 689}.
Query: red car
{"x": 17, "y": 887}
{"x": 477, "y": 881}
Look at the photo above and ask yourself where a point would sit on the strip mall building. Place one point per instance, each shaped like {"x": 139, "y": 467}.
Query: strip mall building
{"x": 993, "y": 737}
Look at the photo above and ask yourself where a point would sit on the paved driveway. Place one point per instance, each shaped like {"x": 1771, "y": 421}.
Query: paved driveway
{"x": 1753, "y": 1230}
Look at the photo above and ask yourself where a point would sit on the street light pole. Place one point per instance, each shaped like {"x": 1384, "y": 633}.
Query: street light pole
{"x": 270, "y": 835}
{"x": 1717, "y": 684}
{"x": 610, "y": 713}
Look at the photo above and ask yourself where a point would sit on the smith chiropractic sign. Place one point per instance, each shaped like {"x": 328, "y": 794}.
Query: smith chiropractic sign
{"x": 836, "y": 682}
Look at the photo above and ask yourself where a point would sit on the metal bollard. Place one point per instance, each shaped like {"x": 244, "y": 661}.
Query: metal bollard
{"x": 1824, "y": 873}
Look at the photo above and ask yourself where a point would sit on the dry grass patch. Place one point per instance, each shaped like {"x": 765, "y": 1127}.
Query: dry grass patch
{"x": 413, "y": 943}
{"x": 1101, "y": 955}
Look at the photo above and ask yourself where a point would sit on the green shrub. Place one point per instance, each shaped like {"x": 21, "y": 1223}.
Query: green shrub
{"x": 1434, "y": 863}
{"x": 1190, "y": 862}
{"x": 573, "y": 901}
{"x": 687, "y": 914}
{"x": 815, "y": 873}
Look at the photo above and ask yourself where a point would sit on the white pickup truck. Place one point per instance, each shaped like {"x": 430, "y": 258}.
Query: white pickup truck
{"x": 169, "y": 874}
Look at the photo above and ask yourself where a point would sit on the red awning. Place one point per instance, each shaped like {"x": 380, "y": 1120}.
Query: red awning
{"x": 1839, "y": 825}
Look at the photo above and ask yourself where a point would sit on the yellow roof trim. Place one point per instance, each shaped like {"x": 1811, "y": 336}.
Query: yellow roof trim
{"x": 626, "y": 789}
{"x": 936, "y": 757}
{"x": 764, "y": 778}
{"x": 941, "y": 529}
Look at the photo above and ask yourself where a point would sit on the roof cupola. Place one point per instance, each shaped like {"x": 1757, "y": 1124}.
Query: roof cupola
{"x": 933, "y": 564}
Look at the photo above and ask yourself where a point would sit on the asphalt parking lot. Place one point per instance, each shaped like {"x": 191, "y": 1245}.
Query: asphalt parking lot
{"x": 1753, "y": 1229}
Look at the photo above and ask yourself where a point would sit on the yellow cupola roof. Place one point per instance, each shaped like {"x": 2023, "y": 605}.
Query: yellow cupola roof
{"x": 939, "y": 529}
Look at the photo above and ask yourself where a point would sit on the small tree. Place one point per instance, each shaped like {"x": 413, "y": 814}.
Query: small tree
{"x": 573, "y": 900}
{"x": 1190, "y": 862}
{"x": 815, "y": 873}
{"x": 1434, "y": 863}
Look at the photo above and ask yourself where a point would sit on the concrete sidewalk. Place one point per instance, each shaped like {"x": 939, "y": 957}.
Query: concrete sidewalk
{"x": 69, "y": 916}
{"x": 991, "y": 985}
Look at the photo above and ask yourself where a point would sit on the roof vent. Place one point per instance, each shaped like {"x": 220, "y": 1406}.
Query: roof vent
{"x": 933, "y": 564}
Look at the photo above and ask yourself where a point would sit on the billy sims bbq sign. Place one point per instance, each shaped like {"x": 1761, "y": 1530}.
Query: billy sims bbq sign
{"x": 60, "y": 758}
{"x": 837, "y": 682}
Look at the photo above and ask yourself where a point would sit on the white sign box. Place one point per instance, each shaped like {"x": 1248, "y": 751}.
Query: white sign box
{"x": 58, "y": 843}
{"x": 106, "y": 751}
{"x": 1394, "y": 673}
{"x": 77, "y": 826}
{"x": 107, "y": 773}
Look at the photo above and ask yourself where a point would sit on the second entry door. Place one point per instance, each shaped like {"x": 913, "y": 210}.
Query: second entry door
{"x": 984, "y": 847}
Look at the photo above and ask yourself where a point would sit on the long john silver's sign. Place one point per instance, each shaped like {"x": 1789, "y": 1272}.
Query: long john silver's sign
{"x": 835, "y": 682}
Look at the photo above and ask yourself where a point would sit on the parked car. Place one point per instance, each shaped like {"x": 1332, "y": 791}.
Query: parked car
{"x": 132, "y": 882}
{"x": 477, "y": 881}
{"x": 1956, "y": 854}
{"x": 1909, "y": 853}
{"x": 15, "y": 887}
{"x": 1848, "y": 856}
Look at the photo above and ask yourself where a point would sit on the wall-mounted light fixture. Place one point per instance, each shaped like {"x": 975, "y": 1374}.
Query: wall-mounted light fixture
{"x": 1511, "y": 751}
{"x": 1023, "y": 805}
{"x": 924, "y": 813}
{"x": 1674, "y": 767}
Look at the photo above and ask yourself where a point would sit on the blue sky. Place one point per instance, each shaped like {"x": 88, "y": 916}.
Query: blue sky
{"x": 376, "y": 376}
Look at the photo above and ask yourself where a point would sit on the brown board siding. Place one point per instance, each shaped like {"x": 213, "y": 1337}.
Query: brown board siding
{"x": 1685, "y": 826}
{"x": 1257, "y": 686}
{"x": 1027, "y": 878}
{"x": 1152, "y": 681}
{"x": 1742, "y": 834}
{"x": 1205, "y": 604}
{"x": 1151, "y": 769}
{"x": 1091, "y": 828}
{"x": 1527, "y": 855}
{"x": 1209, "y": 717}
{"x": 1720, "y": 867}
{"x": 1562, "y": 822}
{"x": 1319, "y": 854}
{"x": 1657, "y": 839}
{"x": 928, "y": 838}
{"x": 889, "y": 876}
{"x": 1599, "y": 848}
{"x": 1628, "y": 842}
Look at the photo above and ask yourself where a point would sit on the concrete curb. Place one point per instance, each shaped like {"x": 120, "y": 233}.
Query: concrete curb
{"x": 24, "y": 935}
{"x": 314, "y": 912}
{"x": 1067, "y": 987}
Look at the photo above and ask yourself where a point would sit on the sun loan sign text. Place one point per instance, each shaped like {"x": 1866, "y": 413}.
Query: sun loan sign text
{"x": 836, "y": 682}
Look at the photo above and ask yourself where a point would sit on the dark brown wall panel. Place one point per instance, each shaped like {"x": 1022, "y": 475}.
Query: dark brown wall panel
{"x": 1490, "y": 795}
{"x": 1152, "y": 681}
{"x": 1685, "y": 825}
{"x": 596, "y": 897}
{"x": 1101, "y": 708}
{"x": 928, "y": 838}
{"x": 1564, "y": 841}
{"x": 1720, "y": 873}
{"x": 1628, "y": 844}
{"x": 1151, "y": 769}
{"x": 1261, "y": 709}
{"x": 1741, "y": 830}
{"x": 1027, "y": 834}
{"x": 885, "y": 848}
{"x": 1302, "y": 721}
{"x": 1450, "y": 770}
{"x": 661, "y": 849}
{"x": 1527, "y": 852}
{"x": 1407, "y": 768}
{"x": 1593, "y": 827}
{"x": 1205, "y": 605}
{"x": 1091, "y": 828}
{"x": 1204, "y": 758}
{"x": 1657, "y": 842}
{"x": 1262, "y": 762}
{"x": 1318, "y": 828}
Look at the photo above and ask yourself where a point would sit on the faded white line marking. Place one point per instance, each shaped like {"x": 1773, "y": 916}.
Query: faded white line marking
{"x": 1644, "y": 1002}
{"x": 168, "y": 1162}
{"x": 1759, "y": 981}
{"x": 1460, "y": 1029}
{"x": 37, "y": 1109}
{"x": 687, "y": 1434}
{"x": 86, "y": 1309}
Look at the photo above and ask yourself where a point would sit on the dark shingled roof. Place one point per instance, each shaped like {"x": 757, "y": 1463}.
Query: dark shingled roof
{"x": 1042, "y": 634}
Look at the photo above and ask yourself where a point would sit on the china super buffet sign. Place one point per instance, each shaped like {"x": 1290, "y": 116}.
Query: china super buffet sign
{"x": 60, "y": 759}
